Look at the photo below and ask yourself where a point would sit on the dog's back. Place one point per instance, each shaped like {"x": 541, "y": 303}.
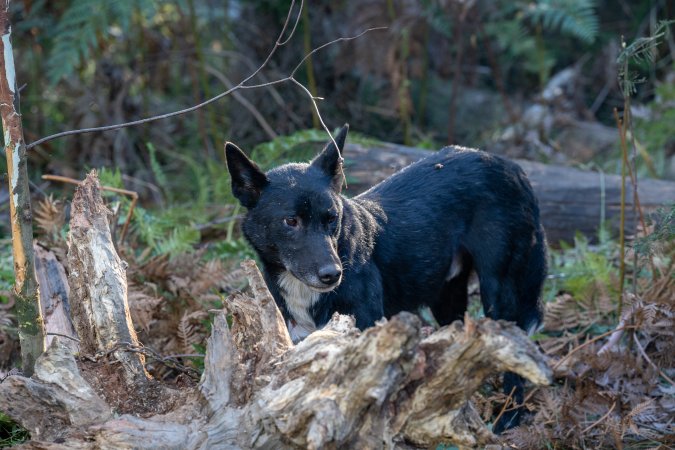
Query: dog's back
{"x": 452, "y": 212}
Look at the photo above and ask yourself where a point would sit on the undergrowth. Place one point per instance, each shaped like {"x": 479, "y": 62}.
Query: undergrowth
{"x": 11, "y": 433}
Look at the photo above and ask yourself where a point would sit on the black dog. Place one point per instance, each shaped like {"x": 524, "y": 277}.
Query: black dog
{"x": 412, "y": 240}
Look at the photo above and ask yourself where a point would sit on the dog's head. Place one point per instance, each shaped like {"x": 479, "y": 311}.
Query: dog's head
{"x": 294, "y": 213}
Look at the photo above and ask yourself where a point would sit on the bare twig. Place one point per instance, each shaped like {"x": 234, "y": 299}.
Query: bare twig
{"x": 242, "y": 85}
{"x": 51, "y": 333}
{"x": 589, "y": 342}
{"x": 588, "y": 428}
{"x": 651, "y": 363}
{"x": 278, "y": 43}
{"x": 271, "y": 134}
{"x": 509, "y": 400}
{"x": 132, "y": 194}
{"x": 617, "y": 333}
{"x": 148, "y": 352}
{"x": 622, "y": 232}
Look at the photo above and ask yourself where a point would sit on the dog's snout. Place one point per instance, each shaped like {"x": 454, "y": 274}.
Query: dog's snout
{"x": 330, "y": 274}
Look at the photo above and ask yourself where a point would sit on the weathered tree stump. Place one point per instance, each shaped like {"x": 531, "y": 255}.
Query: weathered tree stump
{"x": 98, "y": 282}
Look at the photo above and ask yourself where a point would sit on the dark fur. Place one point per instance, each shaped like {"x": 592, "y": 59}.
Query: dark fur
{"x": 456, "y": 211}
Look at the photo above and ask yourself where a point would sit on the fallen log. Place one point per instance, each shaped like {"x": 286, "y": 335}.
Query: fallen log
{"x": 570, "y": 200}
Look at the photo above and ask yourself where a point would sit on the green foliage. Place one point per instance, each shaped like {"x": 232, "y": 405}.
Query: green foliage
{"x": 302, "y": 145}
{"x": 158, "y": 172}
{"x": 523, "y": 28}
{"x": 110, "y": 177}
{"x": 80, "y": 28}
{"x": 167, "y": 232}
{"x": 575, "y": 18}
{"x": 655, "y": 132}
{"x": 663, "y": 222}
{"x": 582, "y": 269}
{"x": 11, "y": 433}
{"x": 231, "y": 249}
{"x": 6, "y": 269}
{"x": 640, "y": 51}
{"x": 299, "y": 146}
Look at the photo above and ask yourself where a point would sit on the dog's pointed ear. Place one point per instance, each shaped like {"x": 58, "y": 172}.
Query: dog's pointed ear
{"x": 248, "y": 180}
{"x": 329, "y": 161}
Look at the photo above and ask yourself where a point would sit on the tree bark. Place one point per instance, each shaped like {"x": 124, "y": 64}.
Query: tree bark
{"x": 31, "y": 326}
{"x": 391, "y": 386}
{"x": 570, "y": 200}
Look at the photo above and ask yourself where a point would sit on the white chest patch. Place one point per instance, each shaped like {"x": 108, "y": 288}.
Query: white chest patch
{"x": 299, "y": 299}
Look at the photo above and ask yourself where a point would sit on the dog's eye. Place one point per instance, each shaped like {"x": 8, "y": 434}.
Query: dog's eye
{"x": 291, "y": 221}
{"x": 332, "y": 218}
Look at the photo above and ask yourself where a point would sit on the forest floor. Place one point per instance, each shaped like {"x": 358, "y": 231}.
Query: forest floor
{"x": 613, "y": 370}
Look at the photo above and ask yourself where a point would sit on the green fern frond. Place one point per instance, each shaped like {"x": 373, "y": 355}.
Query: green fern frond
{"x": 644, "y": 48}
{"x": 80, "y": 27}
{"x": 110, "y": 177}
{"x": 180, "y": 240}
{"x": 572, "y": 17}
{"x": 158, "y": 172}
{"x": 641, "y": 50}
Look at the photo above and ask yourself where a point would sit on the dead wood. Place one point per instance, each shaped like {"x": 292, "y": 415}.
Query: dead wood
{"x": 386, "y": 387}
{"x": 54, "y": 297}
{"x": 98, "y": 282}
{"x": 570, "y": 199}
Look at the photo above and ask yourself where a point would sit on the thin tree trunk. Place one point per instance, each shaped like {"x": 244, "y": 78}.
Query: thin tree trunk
{"x": 31, "y": 326}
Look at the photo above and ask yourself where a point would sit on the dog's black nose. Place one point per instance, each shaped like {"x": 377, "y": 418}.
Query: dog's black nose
{"x": 330, "y": 274}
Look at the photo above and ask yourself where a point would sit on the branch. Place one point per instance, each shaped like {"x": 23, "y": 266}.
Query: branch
{"x": 242, "y": 85}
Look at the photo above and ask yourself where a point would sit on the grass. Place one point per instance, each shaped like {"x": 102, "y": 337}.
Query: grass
{"x": 11, "y": 433}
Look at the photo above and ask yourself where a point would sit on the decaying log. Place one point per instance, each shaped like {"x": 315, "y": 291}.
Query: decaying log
{"x": 54, "y": 294}
{"x": 570, "y": 199}
{"x": 98, "y": 282}
{"x": 55, "y": 400}
{"x": 391, "y": 386}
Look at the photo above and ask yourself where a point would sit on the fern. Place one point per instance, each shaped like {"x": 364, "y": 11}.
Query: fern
{"x": 165, "y": 233}
{"x": 81, "y": 26}
{"x": 640, "y": 51}
{"x": 110, "y": 177}
{"x": 158, "y": 172}
{"x": 180, "y": 240}
{"x": 572, "y": 17}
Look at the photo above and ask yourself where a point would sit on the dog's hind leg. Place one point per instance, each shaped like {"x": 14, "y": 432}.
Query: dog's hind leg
{"x": 453, "y": 299}
{"x": 515, "y": 297}
{"x": 499, "y": 302}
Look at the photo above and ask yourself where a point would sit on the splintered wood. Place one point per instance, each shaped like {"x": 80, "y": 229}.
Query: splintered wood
{"x": 386, "y": 387}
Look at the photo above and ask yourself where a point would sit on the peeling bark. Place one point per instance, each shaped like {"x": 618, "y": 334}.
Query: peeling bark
{"x": 386, "y": 387}
{"x": 31, "y": 326}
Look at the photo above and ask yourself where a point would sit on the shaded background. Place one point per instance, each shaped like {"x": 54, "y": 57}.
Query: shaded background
{"x": 460, "y": 72}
